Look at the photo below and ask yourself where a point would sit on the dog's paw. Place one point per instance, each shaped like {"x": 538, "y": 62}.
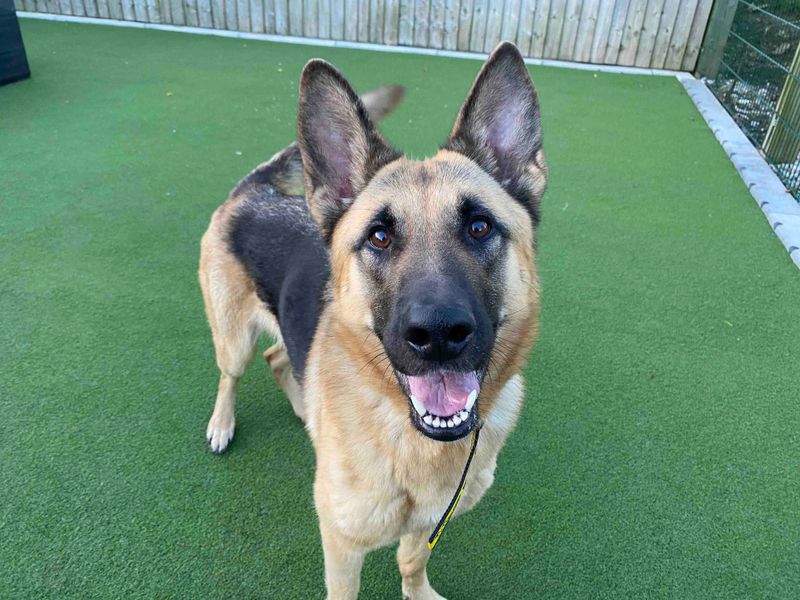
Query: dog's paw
{"x": 219, "y": 434}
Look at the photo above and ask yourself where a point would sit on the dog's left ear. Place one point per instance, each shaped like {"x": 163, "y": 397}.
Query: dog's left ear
{"x": 499, "y": 128}
{"x": 341, "y": 147}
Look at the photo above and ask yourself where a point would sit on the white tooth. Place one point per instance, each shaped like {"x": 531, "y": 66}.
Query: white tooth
{"x": 463, "y": 414}
{"x": 473, "y": 395}
{"x": 457, "y": 420}
{"x": 428, "y": 419}
{"x": 418, "y": 406}
{"x": 450, "y": 422}
{"x": 435, "y": 421}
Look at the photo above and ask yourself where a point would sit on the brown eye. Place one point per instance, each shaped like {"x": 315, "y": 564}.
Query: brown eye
{"x": 479, "y": 227}
{"x": 380, "y": 238}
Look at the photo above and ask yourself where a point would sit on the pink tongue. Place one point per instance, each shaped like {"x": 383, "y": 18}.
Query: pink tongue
{"x": 443, "y": 394}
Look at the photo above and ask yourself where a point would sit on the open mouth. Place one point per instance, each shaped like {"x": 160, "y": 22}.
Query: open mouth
{"x": 443, "y": 404}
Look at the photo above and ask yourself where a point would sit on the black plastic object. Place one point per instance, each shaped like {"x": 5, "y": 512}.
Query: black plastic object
{"x": 13, "y": 62}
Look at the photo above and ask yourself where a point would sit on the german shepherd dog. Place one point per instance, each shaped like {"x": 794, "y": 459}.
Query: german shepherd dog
{"x": 404, "y": 299}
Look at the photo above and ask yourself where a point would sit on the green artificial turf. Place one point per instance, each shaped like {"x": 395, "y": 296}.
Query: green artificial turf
{"x": 658, "y": 454}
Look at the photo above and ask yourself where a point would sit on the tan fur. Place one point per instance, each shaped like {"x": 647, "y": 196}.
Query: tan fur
{"x": 378, "y": 480}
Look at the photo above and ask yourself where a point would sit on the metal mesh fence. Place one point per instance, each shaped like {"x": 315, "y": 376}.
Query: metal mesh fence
{"x": 759, "y": 81}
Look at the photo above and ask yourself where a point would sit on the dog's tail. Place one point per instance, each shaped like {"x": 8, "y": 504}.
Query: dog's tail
{"x": 380, "y": 102}
{"x": 284, "y": 171}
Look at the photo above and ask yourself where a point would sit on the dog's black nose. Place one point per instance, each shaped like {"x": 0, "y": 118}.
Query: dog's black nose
{"x": 438, "y": 333}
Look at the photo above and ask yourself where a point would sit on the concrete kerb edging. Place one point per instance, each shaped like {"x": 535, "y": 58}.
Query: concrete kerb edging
{"x": 780, "y": 208}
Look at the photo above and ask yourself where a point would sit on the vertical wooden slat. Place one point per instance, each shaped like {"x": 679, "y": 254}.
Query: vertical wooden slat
{"x": 508, "y": 31}
{"x": 648, "y": 33}
{"x": 630, "y": 35}
{"x": 494, "y": 23}
{"x": 363, "y": 21}
{"x": 617, "y": 30}
{"x": 127, "y": 10}
{"x": 391, "y": 22}
{"x": 337, "y": 19}
{"x": 139, "y": 10}
{"x": 478, "y": 33}
{"x": 541, "y": 18}
{"x": 190, "y": 12}
{"x": 257, "y": 8}
{"x": 665, "y": 29}
{"x": 102, "y": 8}
{"x": 242, "y": 15}
{"x": 176, "y": 12}
{"x": 65, "y": 8}
{"x": 269, "y": 16}
{"x": 602, "y": 29}
{"x": 310, "y": 18}
{"x": 695, "y": 41}
{"x": 164, "y": 10}
{"x": 680, "y": 34}
{"x": 77, "y": 8}
{"x": 351, "y": 20}
{"x": 153, "y": 11}
{"x": 376, "y": 21}
{"x": 569, "y": 32}
{"x": 422, "y": 10}
{"x": 436, "y": 24}
{"x": 555, "y": 25}
{"x": 525, "y": 28}
{"x": 295, "y": 17}
{"x": 324, "y": 16}
{"x": 450, "y": 41}
{"x": 89, "y": 7}
{"x": 204, "y": 18}
{"x": 464, "y": 24}
{"x": 282, "y": 17}
{"x": 405, "y": 30}
{"x": 587, "y": 29}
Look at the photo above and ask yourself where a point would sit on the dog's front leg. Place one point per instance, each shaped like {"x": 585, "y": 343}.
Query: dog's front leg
{"x": 343, "y": 561}
{"x": 412, "y": 558}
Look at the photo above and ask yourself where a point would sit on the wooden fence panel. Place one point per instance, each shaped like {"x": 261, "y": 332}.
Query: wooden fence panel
{"x": 494, "y": 23}
{"x": 630, "y": 34}
{"x": 525, "y": 25}
{"x": 478, "y": 29}
{"x": 587, "y": 26}
{"x": 541, "y": 18}
{"x": 450, "y": 39}
{"x": 692, "y": 50}
{"x": 647, "y": 33}
{"x": 391, "y": 13}
{"x": 464, "y": 25}
{"x": 436, "y": 26}
{"x": 282, "y": 17}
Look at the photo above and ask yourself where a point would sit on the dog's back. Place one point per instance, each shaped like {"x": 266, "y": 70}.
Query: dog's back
{"x": 264, "y": 267}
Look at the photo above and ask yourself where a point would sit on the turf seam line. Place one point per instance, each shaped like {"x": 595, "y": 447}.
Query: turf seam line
{"x": 287, "y": 39}
{"x": 778, "y": 205}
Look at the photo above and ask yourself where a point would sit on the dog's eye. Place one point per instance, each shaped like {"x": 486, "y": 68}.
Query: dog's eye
{"x": 380, "y": 238}
{"x": 479, "y": 227}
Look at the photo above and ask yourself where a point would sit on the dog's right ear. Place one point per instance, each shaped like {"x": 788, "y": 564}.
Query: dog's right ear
{"x": 341, "y": 147}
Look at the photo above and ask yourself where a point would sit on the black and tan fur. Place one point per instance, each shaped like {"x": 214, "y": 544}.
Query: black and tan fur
{"x": 291, "y": 253}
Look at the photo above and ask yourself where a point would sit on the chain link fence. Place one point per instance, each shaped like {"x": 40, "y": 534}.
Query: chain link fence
{"x": 758, "y": 81}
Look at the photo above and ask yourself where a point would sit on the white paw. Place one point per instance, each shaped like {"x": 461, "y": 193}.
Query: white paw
{"x": 219, "y": 434}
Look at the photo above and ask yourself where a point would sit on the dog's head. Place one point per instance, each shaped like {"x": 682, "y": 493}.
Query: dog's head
{"x": 433, "y": 262}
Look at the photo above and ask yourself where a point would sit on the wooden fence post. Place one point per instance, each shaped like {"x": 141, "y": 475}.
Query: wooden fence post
{"x": 719, "y": 26}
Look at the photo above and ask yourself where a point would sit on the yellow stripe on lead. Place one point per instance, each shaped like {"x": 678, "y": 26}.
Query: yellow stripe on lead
{"x": 437, "y": 533}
